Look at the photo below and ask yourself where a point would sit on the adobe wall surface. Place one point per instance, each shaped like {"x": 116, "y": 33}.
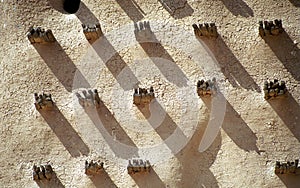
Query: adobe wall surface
{"x": 179, "y": 132}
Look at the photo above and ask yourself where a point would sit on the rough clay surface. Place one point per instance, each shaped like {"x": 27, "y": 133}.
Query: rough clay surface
{"x": 254, "y": 134}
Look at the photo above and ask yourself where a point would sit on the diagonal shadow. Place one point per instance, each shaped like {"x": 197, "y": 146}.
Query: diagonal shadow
{"x": 132, "y": 9}
{"x": 236, "y": 128}
{"x": 61, "y": 65}
{"x": 113, "y": 132}
{"x": 102, "y": 180}
{"x": 232, "y": 69}
{"x": 288, "y": 110}
{"x": 238, "y": 7}
{"x": 85, "y": 15}
{"x": 148, "y": 180}
{"x": 167, "y": 129}
{"x": 159, "y": 56}
{"x": 115, "y": 63}
{"x": 177, "y": 8}
{"x": 65, "y": 132}
{"x": 57, "y": 5}
{"x": 286, "y": 51}
{"x": 296, "y": 3}
{"x": 194, "y": 164}
{"x": 290, "y": 181}
{"x": 54, "y": 182}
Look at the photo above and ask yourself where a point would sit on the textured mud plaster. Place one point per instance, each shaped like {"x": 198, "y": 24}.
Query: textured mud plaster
{"x": 254, "y": 134}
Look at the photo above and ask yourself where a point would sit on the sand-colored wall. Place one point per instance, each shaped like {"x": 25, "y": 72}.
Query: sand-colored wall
{"x": 254, "y": 134}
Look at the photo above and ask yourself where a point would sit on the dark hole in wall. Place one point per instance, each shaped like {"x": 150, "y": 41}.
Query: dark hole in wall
{"x": 71, "y": 6}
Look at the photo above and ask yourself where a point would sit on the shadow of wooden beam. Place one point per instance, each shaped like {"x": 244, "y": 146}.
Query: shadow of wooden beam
{"x": 61, "y": 65}
{"x": 65, "y": 132}
{"x": 288, "y": 110}
{"x": 286, "y": 51}
{"x": 230, "y": 66}
{"x": 148, "y": 179}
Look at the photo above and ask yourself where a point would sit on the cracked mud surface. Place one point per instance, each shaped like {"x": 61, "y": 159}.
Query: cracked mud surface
{"x": 254, "y": 133}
